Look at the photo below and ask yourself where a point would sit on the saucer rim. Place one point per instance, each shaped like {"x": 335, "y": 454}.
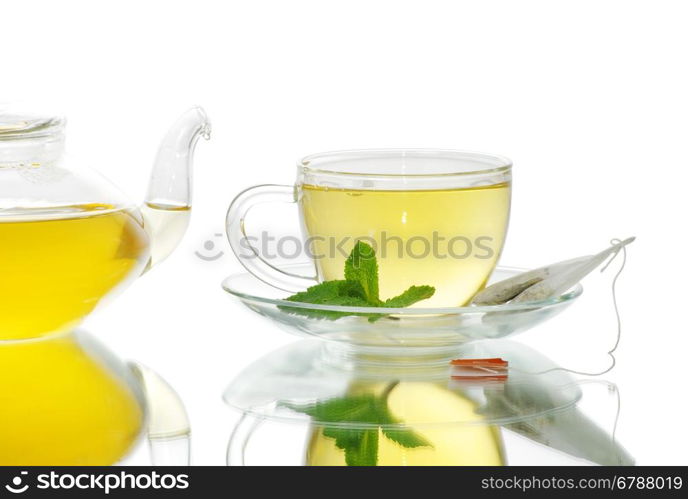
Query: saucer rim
{"x": 565, "y": 297}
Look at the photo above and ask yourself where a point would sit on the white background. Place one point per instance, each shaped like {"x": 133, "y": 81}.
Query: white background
{"x": 589, "y": 98}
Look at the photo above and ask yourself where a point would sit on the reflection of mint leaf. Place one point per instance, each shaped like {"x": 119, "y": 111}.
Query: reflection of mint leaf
{"x": 405, "y": 438}
{"x": 364, "y": 453}
{"x": 360, "y": 445}
{"x": 361, "y": 267}
{"x": 360, "y": 288}
{"x": 351, "y": 408}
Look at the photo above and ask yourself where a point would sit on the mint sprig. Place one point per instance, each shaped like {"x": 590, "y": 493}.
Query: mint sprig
{"x": 361, "y": 268}
{"x": 359, "y": 288}
{"x": 360, "y": 444}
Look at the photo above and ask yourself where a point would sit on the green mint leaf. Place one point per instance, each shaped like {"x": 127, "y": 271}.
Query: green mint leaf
{"x": 361, "y": 267}
{"x": 327, "y": 314}
{"x": 327, "y": 291}
{"x": 412, "y": 295}
{"x": 343, "y": 301}
{"x": 341, "y": 293}
{"x": 360, "y": 288}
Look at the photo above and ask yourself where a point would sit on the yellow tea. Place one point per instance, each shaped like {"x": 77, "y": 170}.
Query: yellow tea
{"x": 429, "y": 406}
{"x": 59, "y": 405}
{"x": 56, "y": 267}
{"x": 450, "y": 239}
{"x": 165, "y": 224}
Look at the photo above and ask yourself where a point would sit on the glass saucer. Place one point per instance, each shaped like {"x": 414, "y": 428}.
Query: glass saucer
{"x": 418, "y": 327}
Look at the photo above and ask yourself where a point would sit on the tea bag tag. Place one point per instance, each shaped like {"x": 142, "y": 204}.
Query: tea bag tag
{"x": 480, "y": 370}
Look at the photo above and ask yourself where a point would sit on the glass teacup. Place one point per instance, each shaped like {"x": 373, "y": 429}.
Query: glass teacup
{"x": 433, "y": 217}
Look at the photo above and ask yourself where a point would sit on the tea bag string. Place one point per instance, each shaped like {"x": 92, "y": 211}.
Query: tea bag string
{"x": 613, "y": 389}
{"x": 618, "y": 322}
{"x": 618, "y": 406}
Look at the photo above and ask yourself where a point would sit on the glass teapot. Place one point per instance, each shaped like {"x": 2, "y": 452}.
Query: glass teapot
{"x": 69, "y": 237}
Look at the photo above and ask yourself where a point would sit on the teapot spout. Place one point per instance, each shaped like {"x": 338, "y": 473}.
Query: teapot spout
{"x": 167, "y": 206}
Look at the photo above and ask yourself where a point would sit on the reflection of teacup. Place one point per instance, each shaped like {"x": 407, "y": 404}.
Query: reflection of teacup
{"x": 433, "y": 217}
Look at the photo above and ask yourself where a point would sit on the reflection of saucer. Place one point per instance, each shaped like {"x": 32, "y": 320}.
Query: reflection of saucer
{"x": 313, "y": 370}
{"x": 538, "y": 401}
{"x": 422, "y": 327}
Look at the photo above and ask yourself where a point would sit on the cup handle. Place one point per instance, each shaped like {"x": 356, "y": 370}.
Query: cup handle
{"x": 241, "y": 245}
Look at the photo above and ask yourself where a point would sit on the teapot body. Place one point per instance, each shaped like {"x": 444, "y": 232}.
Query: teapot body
{"x": 57, "y": 268}
{"x": 69, "y": 238}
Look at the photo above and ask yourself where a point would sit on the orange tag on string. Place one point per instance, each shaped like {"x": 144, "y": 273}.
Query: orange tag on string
{"x": 493, "y": 369}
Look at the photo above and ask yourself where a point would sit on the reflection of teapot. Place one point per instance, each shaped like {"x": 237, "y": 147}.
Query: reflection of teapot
{"x": 67, "y": 401}
{"x": 68, "y": 237}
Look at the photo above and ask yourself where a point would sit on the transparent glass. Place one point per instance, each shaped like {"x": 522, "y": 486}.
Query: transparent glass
{"x": 70, "y": 238}
{"x": 434, "y": 217}
{"x": 331, "y": 404}
{"x": 399, "y": 327}
{"x": 67, "y": 400}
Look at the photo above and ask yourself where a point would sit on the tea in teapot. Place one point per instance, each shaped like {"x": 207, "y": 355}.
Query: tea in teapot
{"x": 68, "y": 237}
